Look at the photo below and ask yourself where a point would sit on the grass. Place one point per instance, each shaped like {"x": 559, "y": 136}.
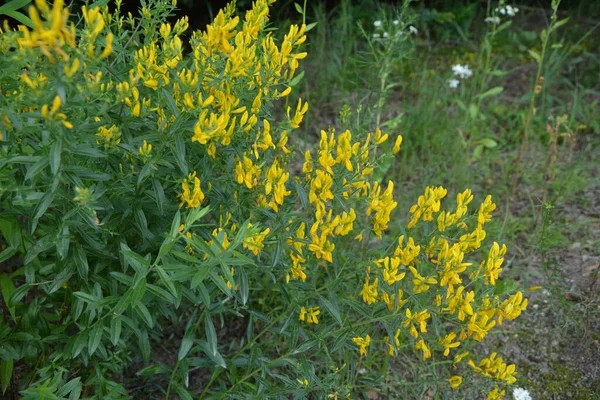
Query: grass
{"x": 459, "y": 139}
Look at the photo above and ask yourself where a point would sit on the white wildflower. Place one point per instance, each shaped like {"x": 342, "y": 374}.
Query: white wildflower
{"x": 395, "y": 22}
{"x": 412, "y": 30}
{"x": 376, "y": 36}
{"x": 507, "y": 10}
{"x": 521, "y": 394}
{"x": 377, "y": 24}
{"x": 453, "y": 83}
{"x": 385, "y": 34}
{"x": 463, "y": 71}
{"x": 511, "y": 11}
{"x": 493, "y": 20}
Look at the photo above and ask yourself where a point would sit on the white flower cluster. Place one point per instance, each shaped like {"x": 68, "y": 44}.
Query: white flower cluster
{"x": 461, "y": 71}
{"x": 379, "y": 26}
{"x": 521, "y": 394}
{"x": 507, "y": 10}
{"x": 493, "y": 20}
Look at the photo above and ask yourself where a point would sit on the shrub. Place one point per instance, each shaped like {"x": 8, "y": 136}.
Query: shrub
{"x": 149, "y": 194}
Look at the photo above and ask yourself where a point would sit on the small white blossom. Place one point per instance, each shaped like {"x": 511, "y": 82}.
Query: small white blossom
{"x": 521, "y": 394}
{"x": 376, "y": 36}
{"x": 385, "y": 34}
{"x": 377, "y": 24}
{"x": 396, "y": 22}
{"x": 463, "y": 71}
{"x": 453, "y": 83}
{"x": 507, "y": 10}
{"x": 493, "y": 20}
{"x": 412, "y": 30}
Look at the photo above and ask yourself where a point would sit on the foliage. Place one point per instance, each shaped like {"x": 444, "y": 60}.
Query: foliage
{"x": 150, "y": 193}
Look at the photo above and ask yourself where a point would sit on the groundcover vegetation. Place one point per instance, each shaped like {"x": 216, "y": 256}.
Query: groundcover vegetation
{"x": 171, "y": 230}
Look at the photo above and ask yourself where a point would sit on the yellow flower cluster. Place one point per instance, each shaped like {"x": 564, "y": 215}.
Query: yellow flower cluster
{"x": 440, "y": 278}
{"x": 310, "y": 315}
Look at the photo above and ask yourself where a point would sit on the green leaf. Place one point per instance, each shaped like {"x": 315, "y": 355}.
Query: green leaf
{"x": 55, "y": 153}
{"x": 13, "y": 5}
{"x": 559, "y": 24}
{"x": 42, "y": 206}
{"x": 88, "y": 298}
{"x": 36, "y": 168}
{"x": 244, "y": 287}
{"x": 536, "y": 56}
{"x": 7, "y": 253}
{"x": 81, "y": 261}
{"x": 477, "y": 152}
{"x": 115, "y": 330}
{"x": 8, "y": 289}
{"x": 492, "y": 92}
{"x": 498, "y": 72}
{"x": 138, "y": 291}
{"x": 22, "y": 18}
{"x": 183, "y": 393}
{"x": 187, "y": 342}
{"x": 6, "y": 370}
{"x": 199, "y": 276}
{"x": 154, "y": 369}
{"x": 137, "y": 262}
{"x": 310, "y": 26}
{"x": 299, "y": 8}
{"x": 145, "y": 345}
{"x": 180, "y": 154}
{"x": 296, "y": 79}
{"x": 159, "y": 195}
{"x": 166, "y": 280}
{"x": 63, "y": 242}
{"x": 211, "y": 335}
{"x": 332, "y": 308}
{"x": 488, "y": 143}
{"x": 143, "y": 312}
{"x": 73, "y": 385}
{"x": 216, "y": 358}
{"x": 95, "y": 337}
{"x": 18, "y": 294}
{"x": 217, "y": 280}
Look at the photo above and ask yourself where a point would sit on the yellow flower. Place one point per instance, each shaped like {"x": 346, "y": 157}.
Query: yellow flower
{"x": 369, "y": 292}
{"x": 421, "y": 283}
{"x": 247, "y": 173}
{"x": 397, "y": 144}
{"x": 255, "y": 243}
{"x": 461, "y": 303}
{"x": 485, "y": 209}
{"x": 83, "y": 196}
{"x": 310, "y": 315}
{"x": 455, "y": 382}
{"x": 362, "y": 344}
{"x": 495, "y": 395}
{"x": 493, "y": 263}
{"x": 419, "y": 318}
{"x": 145, "y": 149}
{"x": 191, "y": 198}
{"x": 383, "y": 205}
{"x": 301, "y": 109}
{"x": 421, "y": 345}
{"x": 427, "y": 205}
{"x": 512, "y": 307}
{"x": 447, "y": 343}
{"x": 275, "y": 183}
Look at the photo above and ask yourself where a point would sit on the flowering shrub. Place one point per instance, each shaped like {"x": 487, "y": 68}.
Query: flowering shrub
{"x": 151, "y": 190}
